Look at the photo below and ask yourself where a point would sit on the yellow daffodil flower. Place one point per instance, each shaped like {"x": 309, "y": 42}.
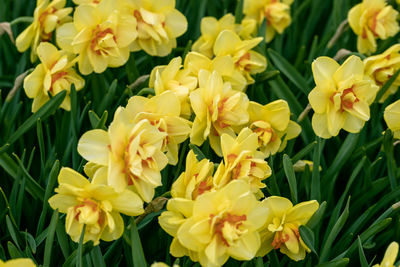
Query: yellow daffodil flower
{"x": 84, "y": 2}
{"x": 390, "y": 256}
{"x": 271, "y": 123}
{"x": 242, "y": 161}
{"x": 247, "y": 29}
{"x": 218, "y": 109}
{"x": 382, "y": 67}
{"x": 300, "y": 165}
{"x": 163, "y": 112}
{"x": 342, "y": 96}
{"x": 22, "y": 262}
{"x": 392, "y": 118}
{"x": 131, "y": 151}
{"x": 370, "y": 20}
{"x": 173, "y": 78}
{"x": 275, "y": 12}
{"x": 246, "y": 61}
{"x": 100, "y": 35}
{"x": 195, "y": 180}
{"x": 282, "y": 228}
{"x": 93, "y": 204}
{"x": 210, "y": 28}
{"x": 162, "y": 264}
{"x": 47, "y": 16}
{"x": 225, "y": 66}
{"x": 54, "y": 74}
{"x": 158, "y": 25}
{"x": 222, "y": 224}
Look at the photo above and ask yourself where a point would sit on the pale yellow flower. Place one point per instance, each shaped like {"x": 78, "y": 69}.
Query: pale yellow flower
{"x": 162, "y": 264}
{"x": 271, "y": 123}
{"x": 54, "y": 74}
{"x": 158, "y": 25}
{"x": 370, "y": 20}
{"x": 247, "y": 29}
{"x": 172, "y": 78}
{"x": 242, "y": 161}
{"x": 100, "y": 34}
{"x": 282, "y": 228}
{"x": 163, "y": 112}
{"x": 392, "y": 118}
{"x": 131, "y": 151}
{"x": 342, "y": 96}
{"x": 21, "y": 262}
{"x": 93, "y": 204}
{"x": 390, "y": 256}
{"x": 84, "y": 2}
{"x": 300, "y": 165}
{"x": 218, "y": 109}
{"x": 382, "y": 67}
{"x": 47, "y": 16}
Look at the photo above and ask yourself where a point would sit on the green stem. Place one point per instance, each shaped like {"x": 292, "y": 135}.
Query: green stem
{"x": 21, "y": 20}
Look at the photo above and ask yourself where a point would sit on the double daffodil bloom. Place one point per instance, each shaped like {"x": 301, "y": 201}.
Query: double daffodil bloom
{"x": 242, "y": 161}
{"x": 225, "y": 66}
{"x": 390, "y": 256}
{"x": 158, "y": 25}
{"x": 275, "y": 12}
{"x": 84, "y": 2}
{"x": 246, "y": 60}
{"x": 342, "y": 96}
{"x": 47, "y": 16}
{"x": 271, "y": 123}
{"x": 382, "y": 67}
{"x": 93, "y": 204}
{"x": 370, "y": 20}
{"x": 54, "y": 74}
{"x": 22, "y": 262}
{"x": 392, "y": 118}
{"x": 218, "y": 109}
{"x": 163, "y": 112}
{"x": 100, "y": 35}
{"x": 221, "y": 224}
{"x": 173, "y": 78}
{"x": 131, "y": 151}
{"x": 282, "y": 228}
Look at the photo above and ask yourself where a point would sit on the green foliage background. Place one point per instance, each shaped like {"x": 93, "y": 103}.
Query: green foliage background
{"x": 356, "y": 188}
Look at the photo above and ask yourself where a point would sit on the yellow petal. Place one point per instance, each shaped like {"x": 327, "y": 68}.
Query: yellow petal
{"x": 302, "y": 212}
{"x": 71, "y": 177}
{"x": 323, "y": 69}
{"x": 226, "y": 43}
{"x": 24, "y": 40}
{"x": 353, "y": 66}
{"x": 33, "y": 83}
{"x": 62, "y": 202}
{"x": 94, "y": 146}
{"x": 390, "y": 254}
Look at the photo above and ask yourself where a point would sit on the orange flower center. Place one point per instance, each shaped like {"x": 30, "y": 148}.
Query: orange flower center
{"x": 347, "y": 98}
{"x": 98, "y": 35}
{"x": 281, "y": 238}
{"x": 230, "y": 221}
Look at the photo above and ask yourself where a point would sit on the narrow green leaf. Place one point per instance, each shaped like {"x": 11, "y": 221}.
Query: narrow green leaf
{"x": 14, "y": 232}
{"x": 102, "y": 122}
{"x": 50, "y": 238}
{"x": 281, "y": 90}
{"x": 335, "y": 263}
{"x": 97, "y": 257}
{"x": 267, "y": 75}
{"x": 94, "y": 119}
{"x": 62, "y": 239}
{"x": 315, "y": 178}
{"x": 317, "y": 216}
{"x": 291, "y": 177}
{"x": 146, "y": 91}
{"x": 363, "y": 259}
{"x": 14, "y": 251}
{"x": 137, "y": 251}
{"x": 79, "y": 254}
{"x": 259, "y": 262}
{"x": 239, "y": 11}
{"x": 303, "y": 152}
{"x": 197, "y": 151}
{"x": 391, "y": 163}
{"x": 308, "y": 237}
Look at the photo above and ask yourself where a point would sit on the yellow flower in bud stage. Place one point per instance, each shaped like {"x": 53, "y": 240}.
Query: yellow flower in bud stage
{"x": 100, "y": 35}
{"x": 195, "y": 180}
{"x": 390, "y": 256}
{"x": 342, "y": 96}
{"x": 370, "y": 20}
{"x": 131, "y": 151}
{"x": 271, "y": 123}
{"x": 93, "y": 204}
{"x": 53, "y": 75}
{"x": 218, "y": 110}
{"x": 246, "y": 61}
{"x": 222, "y": 224}
{"x": 282, "y": 228}
{"x": 162, "y": 111}
{"x": 210, "y": 28}
{"x": 47, "y": 16}
{"x": 275, "y": 12}
{"x": 382, "y": 67}
{"x": 242, "y": 161}
{"x": 300, "y": 165}
{"x": 173, "y": 78}
{"x": 158, "y": 25}
{"x": 392, "y": 118}
{"x": 225, "y": 66}
{"x": 22, "y": 262}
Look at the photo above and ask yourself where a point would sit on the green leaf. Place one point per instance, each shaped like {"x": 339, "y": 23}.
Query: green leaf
{"x": 79, "y": 254}
{"x": 97, "y": 257}
{"x": 197, "y": 151}
{"x": 308, "y": 237}
{"x": 14, "y": 232}
{"x": 50, "y": 238}
{"x": 363, "y": 259}
{"x": 391, "y": 163}
{"x": 335, "y": 263}
{"x": 137, "y": 251}
{"x": 315, "y": 179}
{"x": 239, "y": 11}
{"x": 291, "y": 177}
{"x": 317, "y": 216}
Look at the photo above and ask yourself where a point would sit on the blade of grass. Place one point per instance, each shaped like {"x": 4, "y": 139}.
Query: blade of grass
{"x": 50, "y": 238}
{"x": 291, "y": 177}
{"x": 137, "y": 250}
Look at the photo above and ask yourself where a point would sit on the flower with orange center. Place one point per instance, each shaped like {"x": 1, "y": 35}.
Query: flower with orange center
{"x": 242, "y": 161}
{"x": 94, "y": 205}
{"x": 54, "y": 74}
{"x": 47, "y": 16}
{"x": 131, "y": 151}
{"x": 271, "y": 123}
{"x": 342, "y": 96}
{"x": 370, "y": 20}
{"x": 218, "y": 110}
{"x": 382, "y": 67}
{"x": 158, "y": 25}
{"x": 282, "y": 228}
{"x": 100, "y": 35}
